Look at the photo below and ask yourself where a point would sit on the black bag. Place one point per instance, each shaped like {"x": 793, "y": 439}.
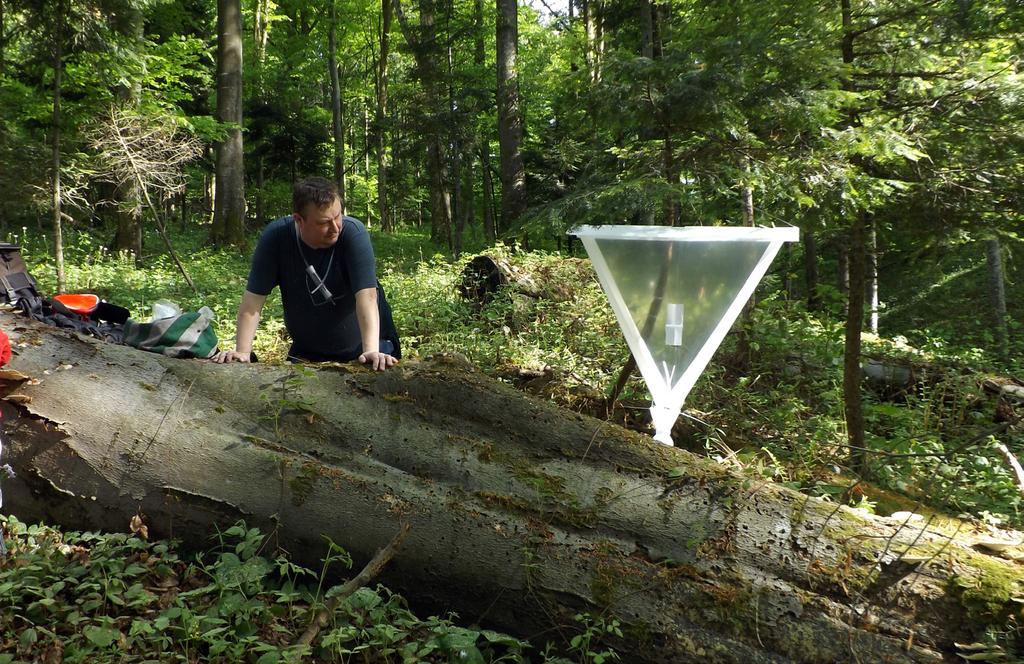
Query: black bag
{"x": 18, "y": 288}
{"x": 15, "y": 281}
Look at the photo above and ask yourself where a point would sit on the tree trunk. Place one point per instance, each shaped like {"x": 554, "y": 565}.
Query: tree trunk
{"x": 483, "y": 145}
{"x": 852, "y": 399}
{"x": 843, "y": 266}
{"x": 871, "y": 264}
{"x": 58, "y": 73}
{"x": 811, "y": 270}
{"x": 338, "y": 130}
{"x": 467, "y": 202}
{"x": 209, "y": 187}
{"x": 386, "y": 216}
{"x": 741, "y": 361}
{"x": 366, "y": 143}
{"x": 457, "y": 199}
{"x": 183, "y": 198}
{"x": 261, "y": 181}
{"x": 127, "y": 196}
{"x": 510, "y": 116}
{"x": 522, "y": 515}
{"x": 593, "y": 38}
{"x": 229, "y": 198}
{"x": 490, "y": 227}
{"x": 747, "y": 201}
{"x": 3, "y": 41}
{"x": 260, "y": 33}
{"x": 997, "y": 294}
{"x": 646, "y": 29}
{"x": 425, "y": 49}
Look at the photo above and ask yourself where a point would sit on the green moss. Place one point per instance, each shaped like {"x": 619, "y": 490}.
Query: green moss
{"x": 638, "y": 632}
{"x": 302, "y": 484}
{"x": 732, "y": 604}
{"x": 987, "y": 595}
{"x": 611, "y": 575}
{"x": 507, "y": 503}
{"x": 549, "y": 486}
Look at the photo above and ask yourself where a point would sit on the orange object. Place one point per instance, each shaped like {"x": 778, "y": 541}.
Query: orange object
{"x": 5, "y": 349}
{"x": 82, "y": 304}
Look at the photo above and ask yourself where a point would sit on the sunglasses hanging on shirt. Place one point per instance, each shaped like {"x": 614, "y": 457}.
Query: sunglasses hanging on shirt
{"x": 319, "y": 294}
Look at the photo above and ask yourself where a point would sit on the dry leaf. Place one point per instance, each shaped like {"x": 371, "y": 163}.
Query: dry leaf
{"x": 138, "y": 527}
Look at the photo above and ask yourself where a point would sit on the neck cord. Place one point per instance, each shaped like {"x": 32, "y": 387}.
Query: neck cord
{"x": 309, "y": 268}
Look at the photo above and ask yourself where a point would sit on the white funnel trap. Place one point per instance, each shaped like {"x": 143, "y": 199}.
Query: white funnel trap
{"x": 676, "y": 292}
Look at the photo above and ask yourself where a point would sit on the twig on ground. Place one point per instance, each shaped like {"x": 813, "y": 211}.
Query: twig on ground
{"x": 371, "y": 570}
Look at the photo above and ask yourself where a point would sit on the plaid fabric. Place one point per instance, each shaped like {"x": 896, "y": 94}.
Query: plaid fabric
{"x": 187, "y": 335}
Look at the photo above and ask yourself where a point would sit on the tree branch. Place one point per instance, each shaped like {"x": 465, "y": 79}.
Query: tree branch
{"x": 1011, "y": 460}
{"x": 368, "y": 573}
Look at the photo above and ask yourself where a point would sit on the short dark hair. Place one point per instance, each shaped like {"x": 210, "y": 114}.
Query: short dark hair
{"x": 319, "y": 191}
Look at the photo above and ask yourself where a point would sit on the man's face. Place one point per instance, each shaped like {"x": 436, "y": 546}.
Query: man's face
{"x": 319, "y": 227}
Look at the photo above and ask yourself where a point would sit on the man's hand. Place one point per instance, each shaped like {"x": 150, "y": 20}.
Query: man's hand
{"x": 230, "y": 356}
{"x": 378, "y": 361}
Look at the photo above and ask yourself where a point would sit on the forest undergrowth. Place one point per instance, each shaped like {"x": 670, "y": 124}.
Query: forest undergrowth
{"x": 772, "y": 407}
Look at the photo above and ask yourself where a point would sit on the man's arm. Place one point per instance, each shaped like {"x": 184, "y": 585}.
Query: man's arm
{"x": 245, "y": 329}
{"x": 368, "y": 316}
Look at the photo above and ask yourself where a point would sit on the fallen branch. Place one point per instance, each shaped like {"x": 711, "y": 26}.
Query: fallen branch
{"x": 369, "y": 572}
{"x": 1011, "y": 460}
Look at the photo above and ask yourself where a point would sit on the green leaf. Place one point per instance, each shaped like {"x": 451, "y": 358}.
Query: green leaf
{"x": 678, "y": 471}
{"x": 270, "y": 657}
{"x": 27, "y": 638}
{"x": 101, "y": 637}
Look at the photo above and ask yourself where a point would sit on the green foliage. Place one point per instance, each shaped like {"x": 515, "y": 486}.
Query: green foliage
{"x": 91, "y": 597}
{"x": 588, "y": 642}
{"x": 572, "y": 329}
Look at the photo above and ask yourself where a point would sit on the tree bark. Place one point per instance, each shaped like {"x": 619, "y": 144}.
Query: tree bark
{"x": 425, "y": 48}
{"x": 521, "y": 514}
{"x": 261, "y": 181}
{"x": 490, "y": 226}
{"x": 852, "y": 398}
{"x": 336, "y": 116}
{"x": 811, "y": 270}
{"x": 510, "y": 114}
{"x": 843, "y": 266}
{"x": 467, "y": 199}
{"x": 997, "y": 294}
{"x": 386, "y": 217}
{"x": 3, "y": 40}
{"x": 591, "y": 21}
{"x": 646, "y": 29}
{"x": 741, "y": 359}
{"x": 229, "y": 197}
{"x": 853, "y": 402}
{"x": 871, "y": 264}
{"x": 483, "y": 143}
{"x": 128, "y": 197}
{"x": 55, "y": 136}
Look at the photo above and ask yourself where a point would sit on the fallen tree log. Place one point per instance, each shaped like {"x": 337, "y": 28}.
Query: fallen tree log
{"x": 484, "y": 276}
{"x": 521, "y": 514}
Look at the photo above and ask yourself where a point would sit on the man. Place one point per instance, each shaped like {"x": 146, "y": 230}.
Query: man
{"x": 323, "y": 262}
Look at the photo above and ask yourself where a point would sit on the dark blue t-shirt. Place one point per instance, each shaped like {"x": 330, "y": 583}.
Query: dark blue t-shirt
{"x": 319, "y": 328}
